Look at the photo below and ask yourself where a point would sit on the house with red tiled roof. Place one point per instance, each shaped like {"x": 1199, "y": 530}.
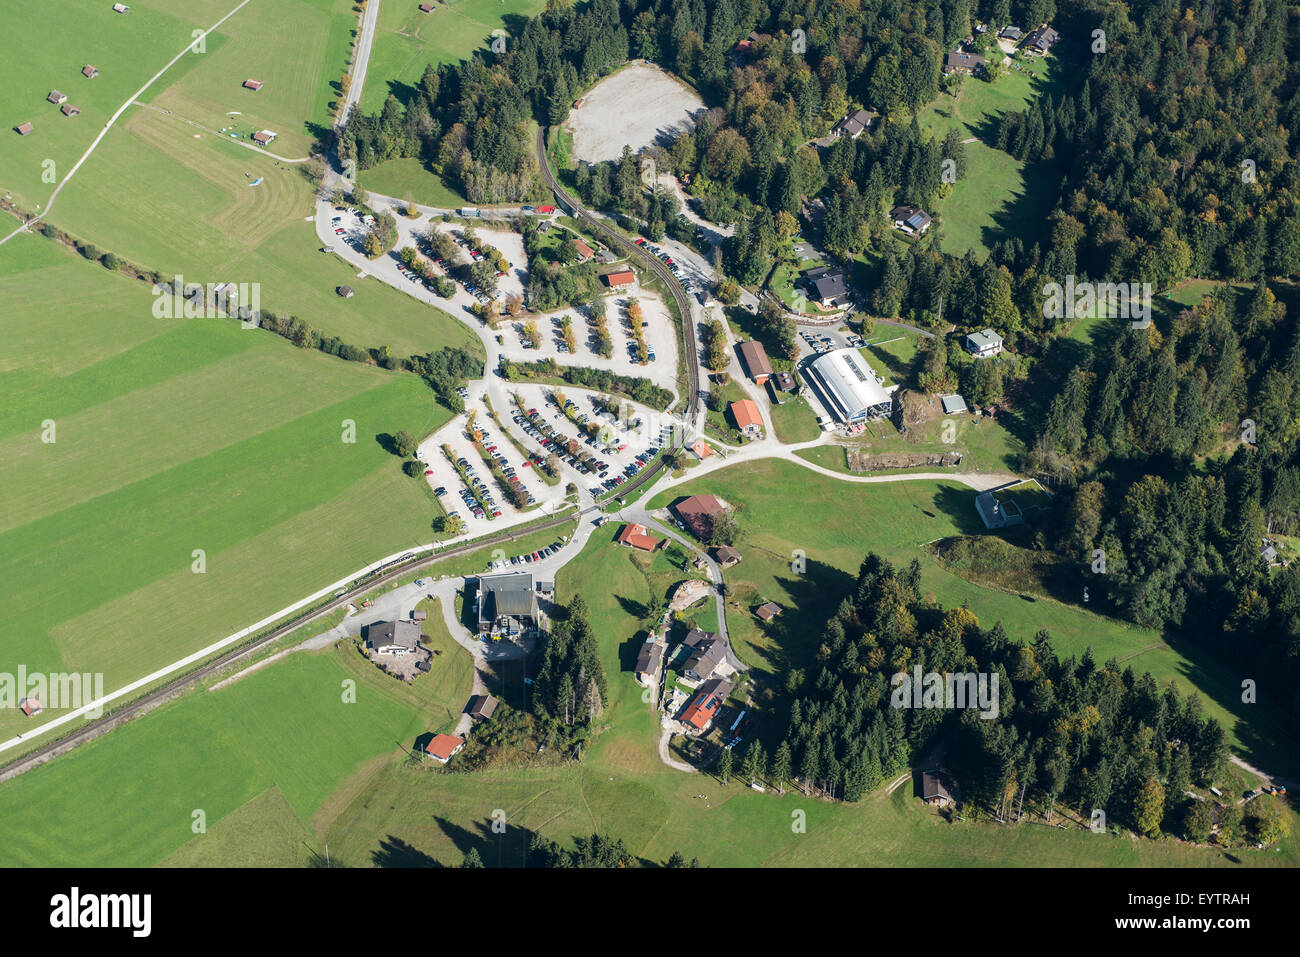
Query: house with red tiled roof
{"x": 31, "y": 706}
{"x": 745, "y": 414}
{"x": 636, "y": 536}
{"x": 702, "y": 709}
{"x": 702, "y": 449}
{"x": 585, "y": 251}
{"x": 89, "y": 71}
{"x": 444, "y": 747}
{"x": 698, "y": 512}
{"x": 624, "y": 277}
{"x": 253, "y": 85}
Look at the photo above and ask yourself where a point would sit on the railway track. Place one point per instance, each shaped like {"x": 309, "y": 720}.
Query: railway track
{"x": 382, "y": 576}
{"x": 617, "y": 241}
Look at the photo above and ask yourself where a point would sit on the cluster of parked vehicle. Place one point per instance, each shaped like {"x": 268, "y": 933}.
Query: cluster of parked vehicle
{"x": 528, "y": 557}
{"x": 472, "y": 502}
{"x": 504, "y": 465}
{"x": 818, "y": 342}
{"x": 633, "y": 468}
{"x": 540, "y": 431}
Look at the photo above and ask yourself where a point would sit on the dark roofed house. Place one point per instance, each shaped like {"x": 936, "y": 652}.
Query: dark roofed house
{"x": 345, "y": 291}
{"x": 725, "y": 555}
{"x": 936, "y": 788}
{"x": 754, "y": 358}
{"x": 785, "y": 381}
{"x": 481, "y": 706}
{"x": 1039, "y": 42}
{"x": 959, "y": 61}
{"x": 707, "y": 652}
{"x": 22, "y": 129}
{"x": 910, "y": 219}
{"x": 69, "y": 110}
{"x": 89, "y": 71}
{"x": 253, "y": 85}
{"x": 1011, "y": 33}
{"x": 698, "y": 512}
{"x": 855, "y": 124}
{"x": 393, "y": 637}
{"x": 700, "y": 711}
{"x": 443, "y": 747}
{"x": 768, "y": 610}
{"x": 829, "y": 287}
{"x": 419, "y": 615}
{"x": 507, "y": 604}
{"x": 57, "y": 98}
{"x": 649, "y": 660}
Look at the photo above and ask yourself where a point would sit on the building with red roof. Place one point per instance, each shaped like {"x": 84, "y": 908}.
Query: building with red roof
{"x": 636, "y": 536}
{"x": 443, "y": 747}
{"x": 702, "y": 709}
{"x": 745, "y": 413}
{"x": 624, "y": 277}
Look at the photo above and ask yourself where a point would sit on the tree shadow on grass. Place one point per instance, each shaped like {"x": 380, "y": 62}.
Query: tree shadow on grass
{"x": 395, "y": 852}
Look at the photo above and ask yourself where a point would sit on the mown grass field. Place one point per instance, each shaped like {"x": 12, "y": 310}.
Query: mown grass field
{"x": 170, "y": 436}
{"x": 406, "y": 40}
{"x": 411, "y": 179}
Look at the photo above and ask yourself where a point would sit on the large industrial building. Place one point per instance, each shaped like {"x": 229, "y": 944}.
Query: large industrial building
{"x": 847, "y": 386}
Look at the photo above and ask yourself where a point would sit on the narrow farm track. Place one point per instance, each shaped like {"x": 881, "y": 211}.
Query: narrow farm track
{"x": 398, "y": 569}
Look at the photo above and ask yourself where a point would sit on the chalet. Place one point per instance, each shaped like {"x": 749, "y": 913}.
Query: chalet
{"x": 702, "y": 449}
{"x": 1039, "y": 42}
{"x": 23, "y": 129}
{"x": 704, "y": 706}
{"x": 57, "y": 98}
{"x": 961, "y": 62}
{"x": 393, "y": 637}
{"x": 263, "y": 137}
{"x": 584, "y": 251}
{"x": 698, "y": 513}
{"x": 984, "y": 344}
{"x": 649, "y": 661}
{"x": 616, "y": 280}
{"x": 829, "y": 288}
{"x": 253, "y": 85}
{"x": 936, "y": 788}
{"x": 69, "y": 110}
{"x": 636, "y": 536}
{"x": 854, "y": 125}
{"x": 1267, "y": 552}
{"x": 481, "y": 706}
{"x": 745, "y": 414}
{"x": 706, "y": 653}
{"x": 89, "y": 71}
{"x": 1011, "y": 33}
{"x": 443, "y": 747}
{"x": 910, "y": 219}
{"x": 507, "y": 605}
{"x": 754, "y": 358}
{"x": 768, "y": 610}
{"x": 725, "y": 556}
{"x": 120, "y": 8}
{"x": 31, "y": 706}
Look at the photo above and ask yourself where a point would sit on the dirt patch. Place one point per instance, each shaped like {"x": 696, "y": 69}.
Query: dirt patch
{"x": 638, "y": 106}
{"x": 883, "y": 461}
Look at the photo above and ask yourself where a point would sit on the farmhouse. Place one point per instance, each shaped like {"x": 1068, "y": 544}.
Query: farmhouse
{"x": 706, "y": 654}
{"x": 910, "y": 219}
{"x": 31, "y": 706}
{"x": 649, "y": 661}
{"x": 847, "y": 386}
{"x": 959, "y": 61}
{"x": 768, "y": 610}
{"x": 1040, "y": 41}
{"x": 120, "y": 8}
{"x": 704, "y": 706}
{"x": 698, "y": 513}
{"x": 507, "y": 605}
{"x": 725, "y": 556}
{"x": 584, "y": 251}
{"x": 984, "y": 344}
{"x": 264, "y": 137}
{"x": 829, "y": 288}
{"x": 754, "y": 358}
{"x": 854, "y": 125}
{"x": 393, "y": 637}
{"x": 615, "y": 280}
{"x": 89, "y": 71}
{"x": 253, "y": 85}
{"x": 57, "y": 98}
{"x": 69, "y": 110}
{"x": 443, "y": 747}
{"x": 22, "y": 129}
{"x": 935, "y": 788}
{"x": 636, "y": 536}
{"x": 745, "y": 414}
{"x": 481, "y": 706}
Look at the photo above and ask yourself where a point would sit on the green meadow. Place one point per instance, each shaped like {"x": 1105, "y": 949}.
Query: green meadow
{"x": 169, "y": 436}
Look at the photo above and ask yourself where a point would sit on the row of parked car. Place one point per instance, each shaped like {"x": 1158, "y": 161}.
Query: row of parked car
{"x": 504, "y": 465}
{"x": 484, "y": 492}
{"x": 541, "y": 432}
{"x": 527, "y": 558}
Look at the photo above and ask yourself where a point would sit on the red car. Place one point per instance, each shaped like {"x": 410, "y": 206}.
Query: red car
{"x": 497, "y": 513}
{"x": 526, "y": 463}
{"x": 639, "y": 241}
{"x": 428, "y": 471}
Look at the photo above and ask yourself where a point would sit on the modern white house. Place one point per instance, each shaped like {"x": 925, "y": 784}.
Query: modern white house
{"x": 984, "y": 344}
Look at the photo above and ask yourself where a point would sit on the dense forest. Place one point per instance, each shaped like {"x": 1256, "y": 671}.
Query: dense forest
{"x": 1069, "y": 732}
{"x": 570, "y": 689}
